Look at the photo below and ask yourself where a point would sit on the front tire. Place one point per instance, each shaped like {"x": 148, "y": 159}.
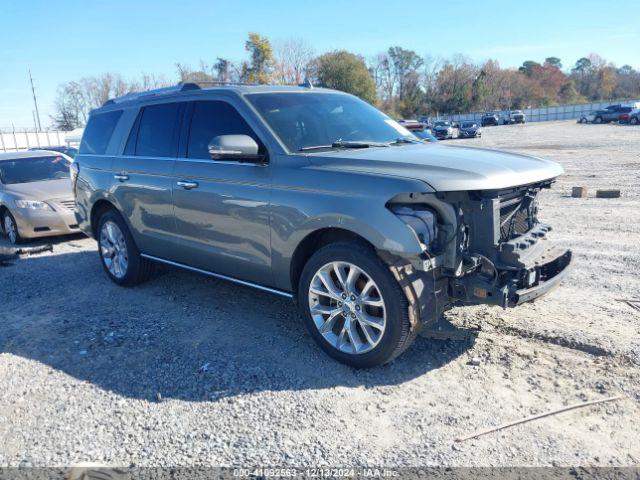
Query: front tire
{"x": 353, "y": 306}
{"x": 598, "y": 120}
{"x": 10, "y": 227}
{"x": 119, "y": 254}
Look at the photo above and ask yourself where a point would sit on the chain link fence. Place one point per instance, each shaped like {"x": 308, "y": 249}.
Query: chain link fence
{"x": 547, "y": 114}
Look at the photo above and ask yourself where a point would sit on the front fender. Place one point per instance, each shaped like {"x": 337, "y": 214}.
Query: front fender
{"x": 307, "y": 212}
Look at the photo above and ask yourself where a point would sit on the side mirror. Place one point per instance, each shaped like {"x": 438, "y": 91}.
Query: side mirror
{"x": 238, "y": 148}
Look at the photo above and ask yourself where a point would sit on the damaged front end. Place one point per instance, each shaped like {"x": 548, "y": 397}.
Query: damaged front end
{"x": 483, "y": 247}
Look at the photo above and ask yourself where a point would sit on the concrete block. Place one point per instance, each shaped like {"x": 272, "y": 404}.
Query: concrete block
{"x": 608, "y": 194}
{"x": 579, "y": 192}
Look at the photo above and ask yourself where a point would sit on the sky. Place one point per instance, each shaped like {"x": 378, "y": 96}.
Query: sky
{"x": 64, "y": 40}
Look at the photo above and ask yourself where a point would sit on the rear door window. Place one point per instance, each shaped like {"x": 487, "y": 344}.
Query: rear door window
{"x": 211, "y": 119}
{"x": 157, "y": 130}
{"x": 98, "y": 132}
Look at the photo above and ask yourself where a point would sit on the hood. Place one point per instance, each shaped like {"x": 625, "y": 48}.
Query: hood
{"x": 47, "y": 190}
{"x": 445, "y": 168}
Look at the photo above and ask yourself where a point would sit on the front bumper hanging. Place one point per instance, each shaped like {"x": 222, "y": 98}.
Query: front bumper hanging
{"x": 514, "y": 286}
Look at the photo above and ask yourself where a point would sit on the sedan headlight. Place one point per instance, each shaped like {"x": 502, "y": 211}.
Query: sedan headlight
{"x": 33, "y": 205}
{"x": 421, "y": 220}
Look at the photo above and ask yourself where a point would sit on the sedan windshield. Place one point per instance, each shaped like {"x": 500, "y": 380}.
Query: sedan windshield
{"x": 34, "y": 169}
{"x": 307, "y": 121}
{"x": 442, "y": 124}
{"x": 469, "y": 125}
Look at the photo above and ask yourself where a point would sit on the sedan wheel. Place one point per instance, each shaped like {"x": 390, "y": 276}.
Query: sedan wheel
{"x": 113, "y": 249}
{"x": 633, "y": 121}
{"x": 11, "y": 229}
{"x": 347, "y": 307}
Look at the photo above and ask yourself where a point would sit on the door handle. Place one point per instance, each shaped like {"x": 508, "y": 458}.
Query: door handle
{"x": 187, "y": 185}
{"x": 121, "y": 178}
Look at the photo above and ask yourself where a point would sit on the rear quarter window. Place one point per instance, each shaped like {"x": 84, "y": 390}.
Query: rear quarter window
{"x": 98, "y": 132}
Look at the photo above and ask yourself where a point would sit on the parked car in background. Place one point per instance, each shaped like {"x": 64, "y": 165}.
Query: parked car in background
{"x": 469, "y": 130}
{"x": 634, "y": 117}
{"x": 443, "y": 129}
{"x": 374, "y": 232}
{"x": 419, "y": 129}
{"x": 425, "y": 134}
{"x": 587, "y": 117}
{"x": 611, "y": 114}
{"x": 514, "y": 116}
{"x": 68, "y": 151}
{"x": 36, "y": 198}
{"x": 490, "y": 119}
{"x": 412, "y": 125}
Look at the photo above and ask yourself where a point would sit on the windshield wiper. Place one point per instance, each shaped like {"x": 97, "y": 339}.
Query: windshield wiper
{"x": 403, "y": 140}
{"x": 345, "y": 144}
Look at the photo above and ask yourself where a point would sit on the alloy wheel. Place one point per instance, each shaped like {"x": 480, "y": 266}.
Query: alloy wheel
{"x": 113, "y": 249}
{"x": 11, "y": 229}
{"x": 347, "y": 307}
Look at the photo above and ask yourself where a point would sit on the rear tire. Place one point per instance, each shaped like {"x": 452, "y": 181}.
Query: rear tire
{"x": 633, "y": 121}
{"x": 598, "y": 120}
{"x": 10, "y": 227}
{"x": 118, "y": 252}
{"x": 362, "y": 318}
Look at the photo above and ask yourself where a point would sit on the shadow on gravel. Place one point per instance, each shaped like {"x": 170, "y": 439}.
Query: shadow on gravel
{"x": 179, "y": 336}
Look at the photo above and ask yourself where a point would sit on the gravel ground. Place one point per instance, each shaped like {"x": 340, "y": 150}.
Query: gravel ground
{"x": 187, "y": 370}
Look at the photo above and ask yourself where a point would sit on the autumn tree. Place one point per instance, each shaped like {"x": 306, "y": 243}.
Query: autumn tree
{"x": 345, "y": 71}
{"x": 455, "y": 86}
{"x": 259, "y": 69}
{"x": 553, "y": 62}
{"x": 187, "y": 74}
{"x": 292, "y": 60}
{"x": 223, "y": 69}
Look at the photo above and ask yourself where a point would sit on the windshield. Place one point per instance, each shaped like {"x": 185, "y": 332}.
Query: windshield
{"x": 34, "y": 169}
{"x": 442, "y": 124}
{"x": 325, "y": 120}
{"x": 468, "y": 125}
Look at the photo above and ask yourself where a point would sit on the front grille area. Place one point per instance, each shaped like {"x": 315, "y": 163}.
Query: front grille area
{"x": 68, "y": 204}
{"x": 518, "y": 211}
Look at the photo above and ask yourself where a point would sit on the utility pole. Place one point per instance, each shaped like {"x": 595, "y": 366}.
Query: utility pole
{"x": 35, "y": 101}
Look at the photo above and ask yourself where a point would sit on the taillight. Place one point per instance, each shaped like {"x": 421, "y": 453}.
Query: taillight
{"x": 74, "y": 170}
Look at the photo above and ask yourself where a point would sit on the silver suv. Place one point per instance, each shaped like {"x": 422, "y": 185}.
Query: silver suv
{"x": 314, "y": 195}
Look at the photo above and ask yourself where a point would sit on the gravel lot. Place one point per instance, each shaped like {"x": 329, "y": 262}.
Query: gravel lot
{"x": 187, "y": 370}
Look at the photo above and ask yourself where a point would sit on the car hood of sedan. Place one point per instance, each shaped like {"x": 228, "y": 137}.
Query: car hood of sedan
{"x": 45, "y": 190}
{"x": 444, "y": 168}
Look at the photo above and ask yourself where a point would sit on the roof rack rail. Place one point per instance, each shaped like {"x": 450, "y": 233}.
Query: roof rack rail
{"x": 216, "y": 83}
{"x": 180, "y": 87}
{"x": 185, "y": 86}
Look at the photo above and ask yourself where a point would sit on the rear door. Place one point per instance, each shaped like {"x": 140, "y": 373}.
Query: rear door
{"x": 143, "y": 177}
{"x": 222, "y": 214}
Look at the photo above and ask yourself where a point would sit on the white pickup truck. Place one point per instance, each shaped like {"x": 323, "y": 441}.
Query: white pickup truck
{"x": 513, "y": 116}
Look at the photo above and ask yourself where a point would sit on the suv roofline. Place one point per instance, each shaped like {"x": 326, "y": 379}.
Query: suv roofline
{"x": 189, "y": 87}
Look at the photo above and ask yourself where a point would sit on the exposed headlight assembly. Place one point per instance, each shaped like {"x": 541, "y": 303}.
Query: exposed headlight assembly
{"x": 33, "y": 205}
{"x": 421, "y": 220}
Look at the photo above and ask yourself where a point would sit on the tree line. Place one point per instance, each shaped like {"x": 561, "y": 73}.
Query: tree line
{"x": 399, "y": 81}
